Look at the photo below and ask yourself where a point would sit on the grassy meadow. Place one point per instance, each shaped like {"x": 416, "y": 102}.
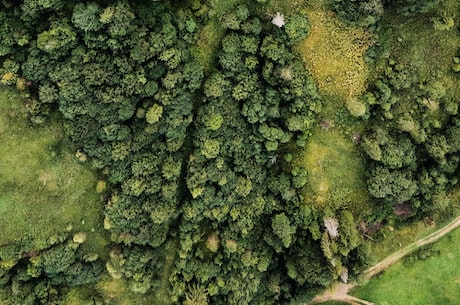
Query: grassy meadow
{"x": 335, "y": 171}
{"x": 333, "y": 53}
{"x": 44, "y": 190}
{"x": 433, "y": 280}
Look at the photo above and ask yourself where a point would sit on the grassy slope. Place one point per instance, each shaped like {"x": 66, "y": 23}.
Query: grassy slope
{"x": 43, "y": 189}
{"x": 435, "y": 280}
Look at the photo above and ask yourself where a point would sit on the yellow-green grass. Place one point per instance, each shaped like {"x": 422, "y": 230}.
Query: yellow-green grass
{"x": 396, "y": 238}
{"x": 161, "y": 294}
{"x": 112, "y": 291}
{"x": 207, "y": 44}
{"x": 434, "y": 280}
{"x": 333, "y": 53}
{"x": 210, "y": 35}
{"x": 83, "y": 295}
{"x": 44, "y": 190}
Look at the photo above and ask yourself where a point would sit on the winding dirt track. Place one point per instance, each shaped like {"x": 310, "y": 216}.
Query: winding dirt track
{"x": 339, "y": 291}
{"x": 395, "y": 257}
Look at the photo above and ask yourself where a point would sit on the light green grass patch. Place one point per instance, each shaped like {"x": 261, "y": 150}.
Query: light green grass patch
{"x": 43, "y": 188}
{"x": 207, "y": 44}
{"x": 210, "y": 35}
{"x": 333, "y": 52}
{"x": 335, "y": 171}
{"x": 435, "y": 280}
{"x": 111, "y": 291}
{"x": 116, "y": 291}
{"x": 394, "y": 239}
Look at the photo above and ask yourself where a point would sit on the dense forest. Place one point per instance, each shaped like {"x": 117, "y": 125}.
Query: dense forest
{"x": 192, "y": 113}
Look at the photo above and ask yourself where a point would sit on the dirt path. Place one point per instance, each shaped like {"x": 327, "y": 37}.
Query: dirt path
{"x": 339, "y": 291}
{"x": 395, "y": 257}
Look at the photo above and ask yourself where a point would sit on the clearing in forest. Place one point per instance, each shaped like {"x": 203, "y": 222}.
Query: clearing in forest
{"x": 334, "y": 55}
{"x": 335, "y": 171}
{"x": 44, "y": 190}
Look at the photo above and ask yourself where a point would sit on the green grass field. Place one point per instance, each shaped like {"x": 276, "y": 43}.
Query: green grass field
{"x": 434, "y": 280}
{"x": 44, "y": 190}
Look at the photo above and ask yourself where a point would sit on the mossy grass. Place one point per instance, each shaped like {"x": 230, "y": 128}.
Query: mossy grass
{"x": 161, "y": 294}
{"x": 83, "y": 295}
{"x": 333, "y": 53}
{"x": 118, "y": 292}
{"x": 210, "y": 35}
{"x": 207, "y": 44}
{"x": 433, "y": 280}
{"x": 44, "y": 189}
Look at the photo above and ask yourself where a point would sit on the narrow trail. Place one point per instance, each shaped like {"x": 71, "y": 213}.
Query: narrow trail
{"x": 395, "y": 257}
{"x": 339, "y": 291}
